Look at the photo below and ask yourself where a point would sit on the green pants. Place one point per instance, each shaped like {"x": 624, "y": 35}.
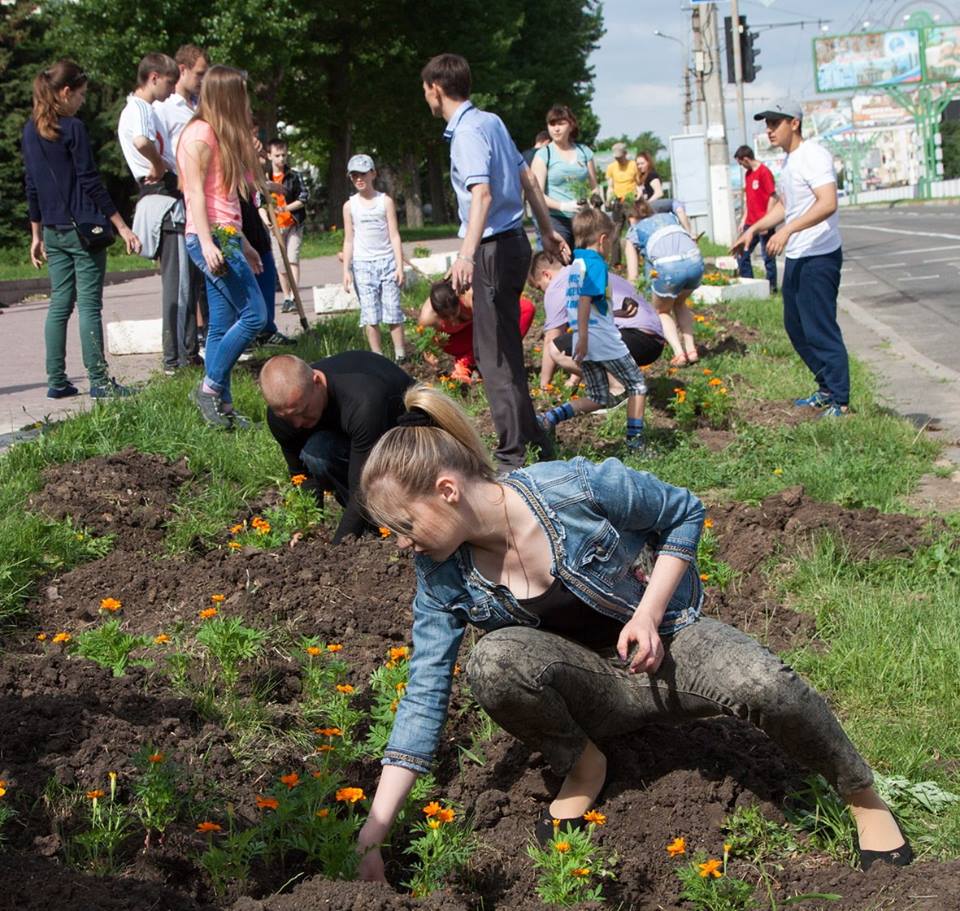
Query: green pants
{"x": 76, "y": 277}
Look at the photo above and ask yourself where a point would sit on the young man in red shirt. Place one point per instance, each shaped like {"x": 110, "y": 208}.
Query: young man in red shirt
{"x": 759, "y": 191}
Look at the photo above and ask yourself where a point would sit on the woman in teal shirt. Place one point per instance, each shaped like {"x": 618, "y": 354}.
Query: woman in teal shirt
{"x": 565, "y": 170}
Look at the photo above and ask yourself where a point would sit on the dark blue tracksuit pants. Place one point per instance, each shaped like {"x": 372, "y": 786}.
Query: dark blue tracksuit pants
{"x": 810, "y": 288}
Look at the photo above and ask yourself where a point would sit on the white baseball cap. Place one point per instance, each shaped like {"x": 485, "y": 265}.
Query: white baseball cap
{"x": 360, "y": 164}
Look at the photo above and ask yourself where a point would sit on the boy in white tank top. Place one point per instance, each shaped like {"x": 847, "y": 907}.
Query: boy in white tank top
{"x": 372, "y": 256}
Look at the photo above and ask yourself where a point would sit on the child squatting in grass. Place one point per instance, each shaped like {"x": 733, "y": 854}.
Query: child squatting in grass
{"x": 542, "y": 560}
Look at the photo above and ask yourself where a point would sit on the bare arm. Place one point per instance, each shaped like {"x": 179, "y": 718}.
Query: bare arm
{"x": 552, "y": 242}
{"x": 393, "y": 229}
{"x": 480, "y": 201}
{"x": 656, "y": 188}
{"x": 824, "y": 206}
{"x": 347, "y": 247}
{"x": 583, "y": 328}
{"x": 196, "y": 164}
{"x": 592, "y": 175}
{"x": 773, "y": 217}
{"x": 428, "y": 316}
{"x": 392, "y": 790}
{"x": 146, "y": 147}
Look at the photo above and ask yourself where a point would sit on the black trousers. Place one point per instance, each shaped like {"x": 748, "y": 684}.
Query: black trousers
{"x": 499, "y": 274}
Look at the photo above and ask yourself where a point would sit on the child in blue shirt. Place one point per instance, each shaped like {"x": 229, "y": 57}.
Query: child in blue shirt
{"x": 597, "y": 345}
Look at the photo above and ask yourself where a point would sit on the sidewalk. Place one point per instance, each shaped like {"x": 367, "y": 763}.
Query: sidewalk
{"x": 23, "y": 382}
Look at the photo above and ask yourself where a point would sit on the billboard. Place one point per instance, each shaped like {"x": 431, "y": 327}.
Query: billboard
{"x": 878, "y": 110}
{"x": 845, "y": 62}
{"x": 942, "y": 53}
{"x": 827, "y": 116}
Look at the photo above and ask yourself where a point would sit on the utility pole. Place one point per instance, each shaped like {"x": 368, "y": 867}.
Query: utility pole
{"x": 718, "y": 153}
{"x": 696, "y": 31}
{"x": 738, "y": 68}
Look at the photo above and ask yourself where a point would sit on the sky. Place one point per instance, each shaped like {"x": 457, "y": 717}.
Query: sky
{"x": 639, "y": 81}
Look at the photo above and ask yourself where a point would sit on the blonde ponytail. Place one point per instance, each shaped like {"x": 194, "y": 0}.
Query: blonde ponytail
{"x": 439, "y": 436}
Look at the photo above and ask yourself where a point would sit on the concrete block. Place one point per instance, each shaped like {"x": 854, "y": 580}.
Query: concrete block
{"x": 727, "y": 263}
{"x": 435, "y": 264}
{"x": 135, "y": 336}
{"x": 741, "y": 289}
{"x": 333, "y": 299}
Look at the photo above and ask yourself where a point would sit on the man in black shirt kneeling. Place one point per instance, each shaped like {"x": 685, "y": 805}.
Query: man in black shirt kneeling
{"x": 327, "y": 417}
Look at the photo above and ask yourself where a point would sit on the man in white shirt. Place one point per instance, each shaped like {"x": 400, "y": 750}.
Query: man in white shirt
{"x": 151, "y": 157}
{"x": 810, "y": 241}
{"x": 175, "y": 112}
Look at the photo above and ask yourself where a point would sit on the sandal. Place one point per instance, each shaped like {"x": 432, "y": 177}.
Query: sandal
{"x": 692, "y": 356}
{"x": 679, "y": 360}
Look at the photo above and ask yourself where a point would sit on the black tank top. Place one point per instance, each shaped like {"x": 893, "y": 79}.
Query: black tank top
{"x": 562, "y": 612}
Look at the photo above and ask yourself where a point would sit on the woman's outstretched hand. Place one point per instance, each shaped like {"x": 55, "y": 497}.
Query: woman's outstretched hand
{"x": 640, "y": 644}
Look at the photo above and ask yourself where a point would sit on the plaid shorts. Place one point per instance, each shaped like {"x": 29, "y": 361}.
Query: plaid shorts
{"x": 379, "y": 294}
{"x": 623, "y": 368}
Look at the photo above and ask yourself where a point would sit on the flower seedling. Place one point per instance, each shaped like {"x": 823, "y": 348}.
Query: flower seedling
{"x": 156, "y": 801}
{"x": 230, "y": 643}
{"x": 444, "y": 844}
{"x": 571, "y": 866}
{"x": 109, "y": 824}
{"x": 706, "y": 884}
{"x": 109, "y": 646}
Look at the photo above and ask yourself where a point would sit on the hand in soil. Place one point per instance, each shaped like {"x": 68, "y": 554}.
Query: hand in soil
{"x": 371, "y": 867}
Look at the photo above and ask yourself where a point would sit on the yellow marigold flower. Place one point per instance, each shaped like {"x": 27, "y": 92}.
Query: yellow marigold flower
{"x": 677, "y": 846}
{"x": 711, "y": 868}
{"x": 156, "y": 757}
{"x": 313, "y": 650}
{"x": 325, "y": 748}
{"x": 110, "y": 604}
{"x": 218, "y": 599}
{"x": 432, "y": 808}
{"x": 776, "y": 471}
{"x": 722, "y": 390}
{"x": 234, "y": 545}
{"x": 205, "y": 827}
{"x": 323, "y": 813}
{"x": 401, "y": 687}
{"x": 562, "y": 847}
{"x": 398, "y": 652}
{"x": 207, "y": 613}
{"x": 708, "y": 523}
{"x": 394, "y": 705}
{"x": 433, "y": 823}
{"x": 328, "y": 732}
{"x": 716, "y": 381}
{"x": 3, "y": 791}
{"x": 556, "y": 823}
{"x": 581, "y": 871}
{"x": 596, "y": 817}
{"x": 162, "y": 639}
{"x": 334, "y": 647}
{"x": 446, "y": 815}
{"x": 654, "y": 273}
{"x": 344, "y": 688}
{"x": 95, "y": 794}
{"x": 291, "y": 780}
{"x": 62, "y": 637}
{"x": 350, "y": 795}
{"x": 267, "y": 803}
{"x": 384, "y": 531}
{"x": 298, "y": 479}
{"x": 727, "y": 848}
{"x": 42, "y": 637}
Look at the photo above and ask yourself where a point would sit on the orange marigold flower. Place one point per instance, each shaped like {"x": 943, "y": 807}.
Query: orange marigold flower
{"x": 313, "y": 650}
{"x": 716, "y": 381}
{"x": 431, "y": 809}
{"x": 3, "y": 791}
{"x": 42, "y": 637}
{"x": 401, "y": 687}
{"x": 581, "y": 871}
{"x": 207, "y": 613}
{"x": 298, "y": 479}
{"x": 236, "y": 529}
{"x": 156, "y": 757}
{"x": 95, "y": 794}
{"x": 350, "y": 795}
{"x": 218, "y": 599}
{"x": 711, "y": 868}
{"x": 162, "y": 639}
{"x": 291, "y": 780}
{"x": 456, "y": 670}
{"x": 234, "y": 545}
{"x": 562, "y": 847}
{"x": 267, "y": 803}
{"x": 708, "y": 523}
{"x": 394, "y": 705}
{"x": 677, "y": 846}
{"x": 384, "y": 531}
{"x": 110, "y": 604}
{"x": 205, "y": 827}
{"x": 596, "y": 817}
{"x": 334, "y": 647}
{"x": 707, "y": 371}
{"x": 62, "y": 637}
{"x": 325, "y": 748}
{"x": 344, "y": 688}
{"x": 704, "y": 577}
{"x": 446, "y": 815}
{"x": 328, "y": 732}
{"x": 398, "y": 652}
{"x": 323, "y": 813}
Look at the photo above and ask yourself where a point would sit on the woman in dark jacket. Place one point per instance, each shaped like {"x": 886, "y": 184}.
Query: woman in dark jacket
{"x": 64, "y": 191}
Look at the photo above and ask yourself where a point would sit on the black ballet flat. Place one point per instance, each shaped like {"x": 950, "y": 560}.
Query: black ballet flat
{"x": 545, "y": 831}
{"x": 898, "y": 857}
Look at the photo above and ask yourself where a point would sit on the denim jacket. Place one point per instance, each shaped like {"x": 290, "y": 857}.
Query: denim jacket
{"x": 598, "y": 519}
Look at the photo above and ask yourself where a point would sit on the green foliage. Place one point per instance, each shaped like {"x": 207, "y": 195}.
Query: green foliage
{"x": 7, "y": 812}
{"x": 708, "y": 887}
{"x": 443, "y": 845}
{"x": 715, "y": 571}
{"x": 230, "y": 643}
{"x": 753, "y": 837}
{"x": 817, "y": 810}
{"x": 108, "y": 823}
{"x": 227, "y": 859}
{"x": 156, "y": 801}
{"x": 571, "y": 867}
{"x": 109, "y": 646}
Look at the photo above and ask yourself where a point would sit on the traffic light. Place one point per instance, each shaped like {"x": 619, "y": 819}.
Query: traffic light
{"x": 748, "y": 50}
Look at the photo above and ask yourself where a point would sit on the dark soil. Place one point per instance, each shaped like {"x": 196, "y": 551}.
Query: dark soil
{"x": 64, "y": 719}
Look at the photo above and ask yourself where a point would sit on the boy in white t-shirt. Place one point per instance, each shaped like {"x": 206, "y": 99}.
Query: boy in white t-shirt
{"x": 373, "y": 257}
{"x": 597, "y": 345}
{"x": 144, "y": 141}
{"x": 810, "y": 241}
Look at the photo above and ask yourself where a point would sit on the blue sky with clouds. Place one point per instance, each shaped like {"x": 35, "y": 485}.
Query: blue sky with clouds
{"x": 639, "y": 75}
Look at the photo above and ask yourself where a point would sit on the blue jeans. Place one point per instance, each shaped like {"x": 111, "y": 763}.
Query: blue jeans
{"x": 810, "y": 288}
{"x": 676, "y": 276}
{"x": 327, "y": 457}
{"x": 267, "y": 282}
{"x": 237, "y": 315}
{"x": 769, "y": 262}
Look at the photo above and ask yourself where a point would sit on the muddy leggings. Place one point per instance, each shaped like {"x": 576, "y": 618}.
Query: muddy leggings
{"x": 553, "y": 694}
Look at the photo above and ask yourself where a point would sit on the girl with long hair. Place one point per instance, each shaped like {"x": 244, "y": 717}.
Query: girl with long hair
{"x": 218, "y": 164}
{"x": 64, "y": 196}
{"x": 648, "y": 180}
{"x": 580, "y": 644}
{"x": 565, "y": 170}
